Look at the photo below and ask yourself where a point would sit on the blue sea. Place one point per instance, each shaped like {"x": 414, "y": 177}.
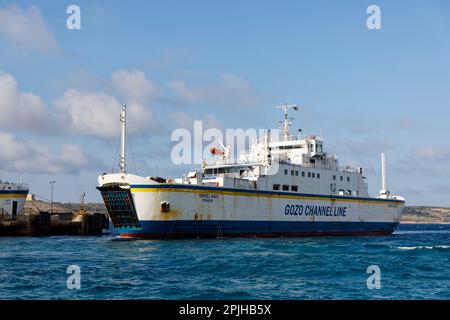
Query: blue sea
{"x": 414, "y": 263}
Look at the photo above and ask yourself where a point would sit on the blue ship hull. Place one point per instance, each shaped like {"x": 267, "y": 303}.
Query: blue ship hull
{"x": 214, "y": 228}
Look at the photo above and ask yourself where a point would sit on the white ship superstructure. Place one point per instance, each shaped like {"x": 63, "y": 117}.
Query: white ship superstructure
{"x": 282, "y": 186}
{"x": 12, "y": 198}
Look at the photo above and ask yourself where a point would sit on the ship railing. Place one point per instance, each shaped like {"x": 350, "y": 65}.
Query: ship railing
{"x": 319, "y": 166}
{"x": 6, "y": 216}
{"x": 348, "y": 169}
{"x": 246, "y": 155}
{"x": 4, "y": 185}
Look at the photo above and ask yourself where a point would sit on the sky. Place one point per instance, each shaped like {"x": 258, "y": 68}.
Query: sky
{"x": 227, "y": 64}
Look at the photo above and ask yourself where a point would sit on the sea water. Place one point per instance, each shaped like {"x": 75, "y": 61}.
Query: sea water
{"x": 413, "y": 263}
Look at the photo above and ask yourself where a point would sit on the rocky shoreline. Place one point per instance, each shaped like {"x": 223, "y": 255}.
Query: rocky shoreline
{"x": 422, "y": 214}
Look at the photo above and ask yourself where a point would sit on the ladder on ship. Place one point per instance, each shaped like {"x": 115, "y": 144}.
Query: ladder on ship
{"x": 219, "y": 232}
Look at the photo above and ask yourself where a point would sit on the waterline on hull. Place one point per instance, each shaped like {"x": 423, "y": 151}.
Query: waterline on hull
{"x": 219, "y": 229}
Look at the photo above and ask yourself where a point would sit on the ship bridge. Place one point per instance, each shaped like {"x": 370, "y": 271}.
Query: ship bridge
{"x": 282, "y": 148}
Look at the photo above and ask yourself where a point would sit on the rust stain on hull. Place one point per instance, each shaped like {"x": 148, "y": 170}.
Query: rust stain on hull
{"x": 171, "y": 215}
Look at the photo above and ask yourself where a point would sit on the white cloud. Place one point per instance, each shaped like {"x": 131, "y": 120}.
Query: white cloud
{"x": 182, "y": 92}
{"x": 183, "y": 120}
{"x": 433, "y": 153}
{"x": 425, "y": 161}
{"x": 28, "y": 156}
{"x": 364, "y": 147}
{"x": 230, "y": 91}
{"x": 89, "y": 113}
{"x": 233, "y": 82}
{"x": 405, "y": 122}
{"x": 97, "y": 114}
{"x": 22, "y": 110}
{"x": 74, "y": 156}
{"x": 134, "y": 85}
{"x": 24, "y": 30}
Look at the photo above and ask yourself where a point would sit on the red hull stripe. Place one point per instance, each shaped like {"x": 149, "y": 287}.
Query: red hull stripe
{"x": 261, "y": 235}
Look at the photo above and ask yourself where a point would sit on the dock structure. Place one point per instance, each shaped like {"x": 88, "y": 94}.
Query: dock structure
{"x": 36, "y": 220}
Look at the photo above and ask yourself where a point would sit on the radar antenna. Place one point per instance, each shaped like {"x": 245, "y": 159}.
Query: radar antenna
{"x": 287, "y": 122}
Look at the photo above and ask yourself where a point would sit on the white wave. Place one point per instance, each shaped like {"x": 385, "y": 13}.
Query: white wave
{"x": 421, "y": 231}
{"x": 422, "y": 247}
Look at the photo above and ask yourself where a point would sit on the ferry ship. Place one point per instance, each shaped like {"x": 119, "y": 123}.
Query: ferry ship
{"x": 288, "y": 186}
{"x": 12, "y": 198}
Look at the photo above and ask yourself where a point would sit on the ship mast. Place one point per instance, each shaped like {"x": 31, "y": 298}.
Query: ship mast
{"x": 384, "y": 192}
{"x": 123, "y": 124}
{"x": 286, "y": 123}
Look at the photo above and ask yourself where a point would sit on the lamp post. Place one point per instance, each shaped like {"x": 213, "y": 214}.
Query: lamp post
{"x": 51, "y": 200}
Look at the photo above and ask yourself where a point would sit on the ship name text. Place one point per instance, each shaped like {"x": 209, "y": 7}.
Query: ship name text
{"x": 312, "y": 210}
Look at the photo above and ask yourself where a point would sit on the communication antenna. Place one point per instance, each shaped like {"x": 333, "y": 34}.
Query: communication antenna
{"x": 287, "y": 122}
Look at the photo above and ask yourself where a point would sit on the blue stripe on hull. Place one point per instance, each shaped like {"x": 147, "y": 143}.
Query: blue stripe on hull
{"x": 13, "y": 191}
{"x": 215, "y": 228}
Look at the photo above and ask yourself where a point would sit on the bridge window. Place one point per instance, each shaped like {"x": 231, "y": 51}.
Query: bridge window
{"x": 319, "y": 148}
{"x": 313, "y": 175}
{"x": 303, "y": 173}
{"x": 292, "y": 172}
{"x": 296, "y": 173}
{"x": 294, "y": 188}
{"x": 318, "y": 176}
{"x": 285, "y": 187}
{"x": 276, "y": 187}
{"x": 348, "y": 179}
{"x": 342, "y": 179}
{"x": 334, "y": 177}
{"x": 285, "y": 171}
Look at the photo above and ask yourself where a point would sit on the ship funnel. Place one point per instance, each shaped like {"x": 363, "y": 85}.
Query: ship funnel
{"x": 384, "y": 192}
{"x": 123, "y": 124}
